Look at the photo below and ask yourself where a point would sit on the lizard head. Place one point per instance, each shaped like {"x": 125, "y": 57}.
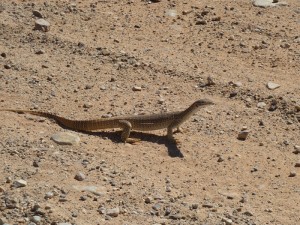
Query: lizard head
{"x": 203, "y": 102}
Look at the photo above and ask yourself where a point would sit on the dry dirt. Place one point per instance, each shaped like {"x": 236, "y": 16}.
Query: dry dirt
{"x": 87, "y": 66}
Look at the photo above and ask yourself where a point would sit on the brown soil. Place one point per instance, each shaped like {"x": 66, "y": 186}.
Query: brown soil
{"x": 86, "y": 66}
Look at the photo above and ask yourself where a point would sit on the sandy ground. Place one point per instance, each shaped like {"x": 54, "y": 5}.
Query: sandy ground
{"x": 131, "y": 57}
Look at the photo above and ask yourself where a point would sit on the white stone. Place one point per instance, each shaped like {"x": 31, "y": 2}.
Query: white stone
{"x": 272, "y": 85}
{"x": 65, "y": 138}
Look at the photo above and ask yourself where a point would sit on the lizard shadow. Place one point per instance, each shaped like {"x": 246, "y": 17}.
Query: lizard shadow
{"x": 173, "y": 150}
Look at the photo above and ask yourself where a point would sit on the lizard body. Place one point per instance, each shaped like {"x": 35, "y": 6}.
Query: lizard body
{"x": 127, "y": 123}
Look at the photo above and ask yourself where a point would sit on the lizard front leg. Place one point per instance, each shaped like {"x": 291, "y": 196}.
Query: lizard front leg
{"x": 170, "y": 136}
{"x": 126, "y": 126}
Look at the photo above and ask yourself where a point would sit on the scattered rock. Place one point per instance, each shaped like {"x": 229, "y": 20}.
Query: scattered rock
{"x": 87, "y": 105}
{"x": 292, "y": 174}
{"x": 37, "y": 14}
{"x": 261, "y": 105}
{"x": 65, "y": 138}
{"x": 210, "y": 81}
{"x": 36, "y": 219}
{"x": 248, "y": 213}
{"x": 268, "y": 3}
{"x": 20, "y": 183}
{"x": 296, "y": 149}
{"x": 227, "y": 221}
{"x": 136, "y": 88}
{"x": 49, "y": 195}
{"x": 272, "y": 86}
{"x": 148, "y": 200}
{"x": 41, "y": 24}
{"x": 243, "y": 135}
{"x": 40, "y": 52}
{"x": 113, "y": 212}
{"x": 79, "y": 176}
{"x": 235, "y": 83}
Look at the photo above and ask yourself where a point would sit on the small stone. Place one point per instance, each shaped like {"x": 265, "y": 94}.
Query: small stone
{"x": 227, "y": 221}
{"x": 210, "y": 81}
{"x": 195, "y": 206}
{"x": 272, "y": 86}
{"x": 79, "y": 176}
{"x": 20, "y": 183}
{"x": 297, "y": 149}
{"x": 65, "y": 138}
{"x": 37, "y": 14}
{"x": 248, "y": 213}
{"x": 148, "y": 200}
{"x": 87, "y": 105}
{"x": 176, "y": 217}
{"x": 156, "y": 207}
{"x": 292, "y": 174}
{"x": 261, "y": 105}
{"x": 7, "y": 66}
{"x": 285, "y": 45}
{"x": 49, "y": 195}
{"x": 43, "y": 25}
{"x": 297, "y": 164}
{"x": 136, "y": 88}
{"x": 168, "y": 188}
{"x": 235, "y": 83}
{"x": 40, "y": 52}
{"x": 113, "y": 212}
{"x": 243, "y": 135}
{"x": 2, "y": 189}
{"x": 3, "y": 54}
{"x": 201, "y": 22}
{"x": 36, "y": 219}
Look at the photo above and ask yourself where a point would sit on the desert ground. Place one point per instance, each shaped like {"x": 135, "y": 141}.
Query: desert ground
{"x": 236, "y": 162}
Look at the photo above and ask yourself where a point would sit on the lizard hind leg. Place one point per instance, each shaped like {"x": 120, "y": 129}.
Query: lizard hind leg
{"x": 126, "y": 126}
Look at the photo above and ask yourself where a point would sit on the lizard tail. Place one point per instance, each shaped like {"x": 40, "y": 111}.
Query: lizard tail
{"x": 63, "y": 121}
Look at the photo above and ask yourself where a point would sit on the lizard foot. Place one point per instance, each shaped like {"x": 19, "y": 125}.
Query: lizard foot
{"x": 175, "y": 141}
{"x": 132, "y": 140}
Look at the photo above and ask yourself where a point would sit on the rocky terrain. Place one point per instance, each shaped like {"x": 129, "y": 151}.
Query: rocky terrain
{"x": 238, "y": 161}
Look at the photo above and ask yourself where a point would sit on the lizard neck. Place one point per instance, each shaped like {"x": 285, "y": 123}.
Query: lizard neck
{"x": 186, "y": 114}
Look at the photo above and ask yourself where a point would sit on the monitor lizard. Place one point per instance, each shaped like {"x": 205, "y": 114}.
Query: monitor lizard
{"x": 169, "y": 120}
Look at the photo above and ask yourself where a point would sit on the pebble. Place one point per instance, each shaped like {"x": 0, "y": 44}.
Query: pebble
{"x": 40, "y": 52}
{"x": 43, "y": 25}
{"x": 261, "y": 105}
{"x": 248, "y": 213}
{"x": 20, "y": 183}
{"x": 49, "y": 195}
{"x": 210, "y": 80}
{"x": 65, "y": 138}
{"x": 268, "y": 3}
{"x": 36, "y": 219}
{"x": 156, "y": 207}
{"x": 148, "y": 200}
{"x": 297, "y": 149}
{"x": 136, "y": 88}
{"x": 236, "y": 83}
{"x": 292, "y": 174}
{"x": 243, "y": 135}
{"x": 195, "y": 206}
{"x": 87, "y": 105}
{"x": 113, "y": 212}
{"x": 37, "y": 14}
{"x": 227, "y": 221}
{"x": 272, "y": 86}
{"x": 79, "y": 176}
